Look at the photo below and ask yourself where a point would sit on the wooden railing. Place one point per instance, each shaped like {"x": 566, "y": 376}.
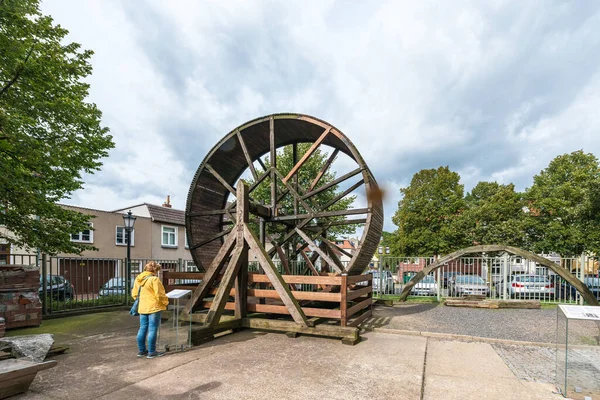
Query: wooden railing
{"x": 341, "y": 297}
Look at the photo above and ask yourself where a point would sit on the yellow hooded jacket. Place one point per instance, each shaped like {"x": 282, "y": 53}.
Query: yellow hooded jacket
{"x": 152, "y": 295}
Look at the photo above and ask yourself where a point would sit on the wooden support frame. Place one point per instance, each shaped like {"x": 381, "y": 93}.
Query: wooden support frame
{"x": 229, "y": 271}
{"x": 306, "y": 155}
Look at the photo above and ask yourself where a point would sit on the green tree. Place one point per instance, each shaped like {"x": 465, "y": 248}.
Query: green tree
{"x": 306, "y": 174}
{"x": 49, "y": 134}
{"x": 493, "y": 215}
{"x": 428, "y": 213}
{"x": 564, "y": 205}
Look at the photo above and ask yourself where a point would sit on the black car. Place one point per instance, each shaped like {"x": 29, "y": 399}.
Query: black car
{"x": 57, "y": 287}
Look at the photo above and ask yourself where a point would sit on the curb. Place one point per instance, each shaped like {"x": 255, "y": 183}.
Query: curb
{"x": 451, "y": 336}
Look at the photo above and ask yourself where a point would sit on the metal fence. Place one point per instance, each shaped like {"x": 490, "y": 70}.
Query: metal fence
{"x": 500, "y": 277}
{"x": 79, "y": 283}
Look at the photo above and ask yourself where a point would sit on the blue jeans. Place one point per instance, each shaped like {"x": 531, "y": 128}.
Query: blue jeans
{"x": 149, "y": 324}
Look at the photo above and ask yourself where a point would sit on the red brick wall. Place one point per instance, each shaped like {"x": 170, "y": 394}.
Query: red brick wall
{"x": 20, "y": 304}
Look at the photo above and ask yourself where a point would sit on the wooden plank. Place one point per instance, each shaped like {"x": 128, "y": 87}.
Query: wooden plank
{"x": 363, "y": 304}
{"x": 219, "y": 178}
{"x": 361, "y": 318}
{"x": 247, "y": 155}
{"x": 323, "y": 169}
{"x": 308, "y": 311}
{"x": 210, "y": 274}
{"x": 310, "y": 265}
{"x": 289, "y": 326}
{"x": 306, "y": 155}
{"x": 207, "y": 332}
{"x": 274, "y": 277}
{"x": 353, "y": 294}
{"x": 182, "y": 275}
{"x": 353, "y": 279}
{"x": 318, "y": 250}
{"x": 316, "y": 280}
{"x": 334, "y": 247}
{"x": 299, "y": 295}
{"x": 218, "y": 305}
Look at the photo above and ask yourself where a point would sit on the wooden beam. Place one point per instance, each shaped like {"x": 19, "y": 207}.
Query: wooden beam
{"x": 275, "y": 278}
{"x": 324, "y": 256}
{"x": 306, "y": 155}
{"x": 220, "y": 178}
{"x": 289, "y": 326}
{"x": 344, "y": 300}
{"x": 323, "y": 169}
{"x": 334, "y": 247}
{"x": 210, "y": 274}
{"x": 343, "y": 194}
{"x": 295, "y": 193}
{"x": 241, "y": 280}
{"x": 247, "y": 155}
{"x": 325, "y": 214}
{"x": 333, "y": 183}
{"x": 273, "y": 165}
{"x": 262, "y": 164}
{"x": 353, "y": 279}
{"x": 217, "y": 236}
{"x": 218, "y": 304}
{"x": 311, "y": 312}
{"x": 294, "y": 161}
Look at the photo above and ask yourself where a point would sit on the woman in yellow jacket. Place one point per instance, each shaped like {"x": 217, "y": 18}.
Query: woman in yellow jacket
{"x": 153, "y": 300}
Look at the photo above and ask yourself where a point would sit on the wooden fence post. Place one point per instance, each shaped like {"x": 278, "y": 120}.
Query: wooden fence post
{"x": 344, "y": 299}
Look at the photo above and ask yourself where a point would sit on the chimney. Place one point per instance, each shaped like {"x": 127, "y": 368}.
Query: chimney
{"x": 167, "y": 203}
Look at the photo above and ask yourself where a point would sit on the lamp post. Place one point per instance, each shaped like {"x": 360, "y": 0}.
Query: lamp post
{"x": 129, "y": 221}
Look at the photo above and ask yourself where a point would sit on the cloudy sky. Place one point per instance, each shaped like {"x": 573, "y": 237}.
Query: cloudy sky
{"x": 494, "y": 89}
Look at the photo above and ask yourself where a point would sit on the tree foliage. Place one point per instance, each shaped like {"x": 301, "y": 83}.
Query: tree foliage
{"x": 564, "y": 205}
{"x": 49, "y": 134}
{"x": 428, "y": 212}
{"x": 306, "y": 174}
{"x": 493, "y": 215}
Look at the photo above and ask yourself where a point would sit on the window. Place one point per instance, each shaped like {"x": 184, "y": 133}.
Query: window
{"x": 187, "y": 246}
{"x": 169, "y": 236}
{"x": 121, "y": 238}
{"x": 86, "y": 236}
{"x": 4, "y": 253}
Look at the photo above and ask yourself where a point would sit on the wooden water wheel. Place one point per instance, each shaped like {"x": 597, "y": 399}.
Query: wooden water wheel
{"x": 211, "y": 203}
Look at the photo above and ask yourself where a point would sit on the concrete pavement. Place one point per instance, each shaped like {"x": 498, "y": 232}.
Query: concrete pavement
{"x": 258, "y": 365}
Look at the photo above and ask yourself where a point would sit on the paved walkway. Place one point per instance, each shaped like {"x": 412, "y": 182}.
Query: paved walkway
{"x": 258, "y": 365}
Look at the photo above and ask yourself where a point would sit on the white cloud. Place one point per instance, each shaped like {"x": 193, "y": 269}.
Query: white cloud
{"x": 495, "y": 90}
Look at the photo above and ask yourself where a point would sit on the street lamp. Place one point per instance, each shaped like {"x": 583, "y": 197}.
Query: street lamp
{"x": 129, "y": 221}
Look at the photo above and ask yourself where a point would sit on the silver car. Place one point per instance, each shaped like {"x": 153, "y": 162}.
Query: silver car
{"x": 426, "y": 287}
{"x": 528, "y": 286}
{"x": 461, "y": 285}
{"x": 386, "y": 280}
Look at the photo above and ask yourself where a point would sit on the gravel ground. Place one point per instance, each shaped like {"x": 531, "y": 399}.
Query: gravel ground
{"x": 511, "y": 324}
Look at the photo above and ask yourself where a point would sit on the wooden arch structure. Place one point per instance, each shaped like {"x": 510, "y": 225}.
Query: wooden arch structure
{"x": 219, "y": 213}
{"x": 583, "y": 289}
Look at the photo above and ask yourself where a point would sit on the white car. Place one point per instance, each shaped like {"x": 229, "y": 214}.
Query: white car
{"x": 426, "y": 287}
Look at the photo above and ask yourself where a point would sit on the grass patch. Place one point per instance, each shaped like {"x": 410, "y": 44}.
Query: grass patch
{"x": 67, "y": 305}
{"x": 66, "y": 326}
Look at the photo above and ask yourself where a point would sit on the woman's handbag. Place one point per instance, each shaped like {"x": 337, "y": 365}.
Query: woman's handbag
{"x": 136, "y": 303}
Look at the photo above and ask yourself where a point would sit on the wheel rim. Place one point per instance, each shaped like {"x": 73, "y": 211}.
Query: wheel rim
{"x": 241, "y": 150}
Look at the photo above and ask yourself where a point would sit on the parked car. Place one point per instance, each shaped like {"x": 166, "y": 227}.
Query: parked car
{"x": 447, "y": 276}
{"x": 386, "y": 280}
{"x": 528, "y": 286}
{"x": 568, "y": 292}
{"x": 426, "y": 287}
{"x": 57, "y": 288}
{"x": 461, "y": 285}
{"x": 114, "y": 287}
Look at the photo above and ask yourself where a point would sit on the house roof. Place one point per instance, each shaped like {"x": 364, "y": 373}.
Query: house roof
{"x": 168, "y": 215}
